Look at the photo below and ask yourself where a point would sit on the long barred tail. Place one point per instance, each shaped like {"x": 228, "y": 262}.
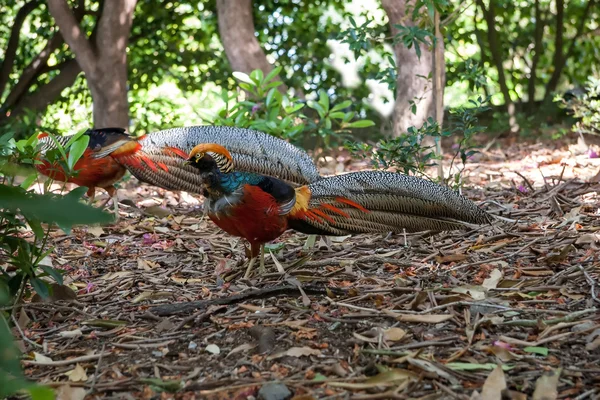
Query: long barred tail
{"x": 376, "y": 201}
{"x": 252, "y": 151}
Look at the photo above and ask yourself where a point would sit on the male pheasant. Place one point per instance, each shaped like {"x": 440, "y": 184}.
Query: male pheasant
{"x": 260, "y": 208}
{"x": 158, "y": 158}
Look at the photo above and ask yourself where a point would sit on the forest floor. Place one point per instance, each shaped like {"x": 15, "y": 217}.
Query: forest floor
{"x": 361, "y": 317}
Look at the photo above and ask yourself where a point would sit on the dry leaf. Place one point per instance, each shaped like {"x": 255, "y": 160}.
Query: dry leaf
{"x": 158, "y": 211}
{"x": 476, "y": 292}
{"x": 213, "y": 349}
{"x": 494, "y": 385}
{"x": 425, "y": 318}
{"x": 394, "y": 334}
{"x": 77, "y": 374}
{"x": 66, "y": 392}
{"x": 253, "y": 308}
{"x": 151, "y": 296}
{"x": 493, "y": 280}
{"x": 296, "y": 352}
{"x": 546, "y": 387}
{"x": 240, "y": 348}
{"x": 70, "y": 334}
{"x": 41, "y": 358}
{"x": 387, "y": 378}
{"x": 450, "y": 258}
{"x": 97, "y": 231}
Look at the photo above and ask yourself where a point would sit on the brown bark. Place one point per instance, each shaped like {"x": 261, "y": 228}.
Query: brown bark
{"x": 103, "y": 59}
{"x": 411, "y": 86}
{"x": 495, "y": 50}
{"x": 560, "y": 58}
{"x": 13, "y": 43}
{"x": 237, "y": 32}
{"x": 30, "y": 72}
{"x": 48, "y": 93}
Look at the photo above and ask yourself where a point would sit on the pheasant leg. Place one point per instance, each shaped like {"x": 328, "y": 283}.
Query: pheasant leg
{"x": 250, "y": 266}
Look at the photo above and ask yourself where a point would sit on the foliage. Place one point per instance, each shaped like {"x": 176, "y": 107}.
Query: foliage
{"x": 21, "y": 210}
{"x": 585, "y": 106}
{"x": 285, "y": 116}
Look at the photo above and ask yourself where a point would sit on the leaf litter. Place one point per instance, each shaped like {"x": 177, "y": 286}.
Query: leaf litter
{"x": 509, "y": 311}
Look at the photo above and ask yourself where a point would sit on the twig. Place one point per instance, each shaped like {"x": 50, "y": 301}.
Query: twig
{"x": 200, "y": 315}
{"x": 98, "y": 365}
{"x": 62, "y": 363}
{"x": 287, "y": 290}
{"x": 591, "y": 282}
{"x": 143, "y": 346}
{"x": 25, "y": 338}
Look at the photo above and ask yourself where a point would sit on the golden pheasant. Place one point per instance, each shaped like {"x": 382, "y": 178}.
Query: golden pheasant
{"x": 260, "y": 208}
{"x": 158, "y": 158}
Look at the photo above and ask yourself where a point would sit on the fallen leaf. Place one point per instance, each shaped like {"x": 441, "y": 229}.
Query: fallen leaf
{"x": 97, "y": 231}
{"x": 394, "y": 334}
{"x": 158, "y": 211}
{"x": 70, "y": 334}
{"x": 493, "y": 280}
{"x": 546, "y": 387}
{"x": 424, "y": 318}
{"x": 296, "y": 352}
{"x": 387, "y": 378}
{"x": 66, "y": 392}
{"x": 253, "y": 308}
{"x": 240, "y": 348}
{"x": 476, "y": 292}
{"x": 151, "y": 296}
{"x": 450, "y": 258}
{"x": 41, "y": 358}
{"x": 537, "y": 350}
{"x": 77, "y": 374}
{"x": 494, "y": 384}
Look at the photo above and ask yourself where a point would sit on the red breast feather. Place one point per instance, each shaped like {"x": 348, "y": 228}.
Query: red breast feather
{"x": 255, "y": 218}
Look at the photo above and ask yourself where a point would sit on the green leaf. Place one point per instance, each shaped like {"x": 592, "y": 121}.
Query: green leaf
{"x": 28, "y": 181}
{"x": 363, "y": 123}
{"x": 242, "y": 77}
{"x": 537, "y": 350}
{"x": 324, "y": 100}
{"x": 62, "y": 210}
{"x": 53, "y": 273}
{"x": 342, "y": 105}
{"x": 76, "y": 150}
{"x": 38, "y": 392}
{"x": 40, "y": 287}
{"x": 316, "y": 106}
{"x": 257, "y": 76}
{"x": 272, "y": 74}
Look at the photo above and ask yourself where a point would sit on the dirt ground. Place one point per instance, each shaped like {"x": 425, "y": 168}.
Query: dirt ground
{"x": 363, "y": 317}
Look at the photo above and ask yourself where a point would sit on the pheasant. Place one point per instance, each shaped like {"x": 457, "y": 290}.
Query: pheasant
{"x": 158, "y": 158}
{"x": 260, "y": 208}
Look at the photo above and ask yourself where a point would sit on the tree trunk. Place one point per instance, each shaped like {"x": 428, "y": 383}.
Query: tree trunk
{"x": 237, "y": 32}
{"x": 537, "y": 52}
{"x": 103, "y": 59}
{"x": 438, "y": 63}
{"x": 495, "y": 50}
{"x": 411, "y": 84}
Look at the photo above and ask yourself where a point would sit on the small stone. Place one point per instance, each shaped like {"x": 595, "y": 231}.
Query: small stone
{"x": 213, "y": 349}
{"x": 192, "y": 346}
{"x": 274, "y": 391}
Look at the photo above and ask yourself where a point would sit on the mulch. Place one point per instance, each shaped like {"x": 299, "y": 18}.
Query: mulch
{"x": 417, "y": 316}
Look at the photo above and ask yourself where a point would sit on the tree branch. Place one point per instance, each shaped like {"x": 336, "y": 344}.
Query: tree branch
{"x": 560, "y": 59}
{"x": 29, "y": 74}
{"x": 13, "y": 43}
{"x": 48, "y": 93}
{"x": 73, "y": 35}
